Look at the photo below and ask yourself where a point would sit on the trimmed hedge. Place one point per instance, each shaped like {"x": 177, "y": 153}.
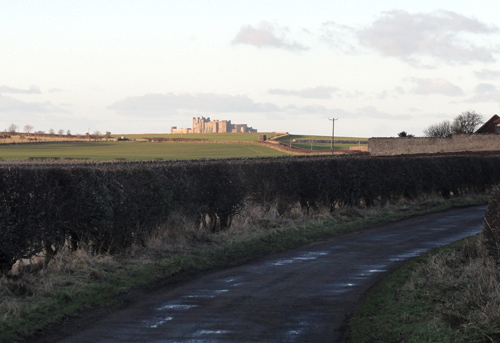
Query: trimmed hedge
{"x": 110, "y": 206}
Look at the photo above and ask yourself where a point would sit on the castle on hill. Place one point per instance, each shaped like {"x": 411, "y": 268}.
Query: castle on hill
{"x": 205, "y": 125}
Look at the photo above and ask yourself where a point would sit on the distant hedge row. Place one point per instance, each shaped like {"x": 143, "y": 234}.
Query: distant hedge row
{"x": 109, "y": 207}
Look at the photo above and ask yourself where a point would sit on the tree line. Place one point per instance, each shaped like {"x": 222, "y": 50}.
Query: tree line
{"x": 29, "y": 129}
{"x": 465, "y": 123}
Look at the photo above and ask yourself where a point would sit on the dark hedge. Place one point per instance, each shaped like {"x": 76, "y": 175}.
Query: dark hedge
{"x": 110, "y": 206}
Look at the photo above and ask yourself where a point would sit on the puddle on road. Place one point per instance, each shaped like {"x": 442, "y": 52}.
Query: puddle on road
{"x": 310, "y": 256}
{"x": 153, "y": 324}
{"x": 206, "y": 294}
{"x": 377, "y": 270}
{"x": 340, "y": 287}
{"x": 283, "y": 262}
{"x": 180, "y": 307}
{"x": 437, "y": 228}
{"x": 210, "y": 332}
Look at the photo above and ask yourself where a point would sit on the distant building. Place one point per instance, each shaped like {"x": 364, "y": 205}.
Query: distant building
{"x": 205, "y": 125}
{"x": 491, "y": 126}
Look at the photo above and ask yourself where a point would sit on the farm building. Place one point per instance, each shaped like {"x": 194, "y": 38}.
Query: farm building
{"x": 491, "y": 126}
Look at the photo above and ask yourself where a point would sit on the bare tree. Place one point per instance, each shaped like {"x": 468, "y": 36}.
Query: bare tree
{"x": 28, "y": 128}
{"x": 466, "y": 122}
{"x": 68, "y": 133}
{"x": 51, "y": 131}
{"x": 60, "y": 132}
{"x": 12, "y": 128}
{"x": 440, "y": 130}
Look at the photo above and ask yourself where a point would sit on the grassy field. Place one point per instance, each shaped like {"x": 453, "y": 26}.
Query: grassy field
{"x": 319, "y": 146}
{"x": 132, "y": 151}
{"x": 227, "y": 137}
{"x": 141, "y": 150}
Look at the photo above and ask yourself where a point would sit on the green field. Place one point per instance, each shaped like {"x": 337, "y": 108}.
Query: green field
{"x": 320, "y": 146}
{"x": 141, "y": 150}
{"x": 132, "y": 151}
{"x": 227, "y": 137}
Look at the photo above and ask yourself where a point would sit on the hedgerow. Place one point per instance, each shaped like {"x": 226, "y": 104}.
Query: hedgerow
{"x": 108, "y": 207}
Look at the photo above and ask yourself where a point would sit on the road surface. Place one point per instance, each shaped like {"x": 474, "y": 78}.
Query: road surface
{"x": 303, "y": 295}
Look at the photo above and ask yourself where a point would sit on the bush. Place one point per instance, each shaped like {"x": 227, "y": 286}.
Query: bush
{"x": 111, "y": 206}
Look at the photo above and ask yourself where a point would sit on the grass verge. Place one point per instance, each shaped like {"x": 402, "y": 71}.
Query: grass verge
{"x": 449, "y": 295}
{"x": 33, "y": 300}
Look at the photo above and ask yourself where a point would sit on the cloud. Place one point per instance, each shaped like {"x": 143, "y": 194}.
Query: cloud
{"x": 487, "y": 74}
{"x": 178, "y": 103}
{"x": 339, "y": 37}
{"x": 485, "y": 92}
{"x": 373, "y": 113}
{"x": 12, "y": 90}
{"x": 266, "y": 36}
{"x": 414, "y": 38}
{"x": 12, "y": 105}
{"x": 443, "y": 35}
{"x": 308, "y": 93}
{"x": 436, "y": 86}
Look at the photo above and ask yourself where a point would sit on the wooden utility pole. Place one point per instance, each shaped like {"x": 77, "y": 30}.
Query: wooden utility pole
{"x": 333, "y": 131}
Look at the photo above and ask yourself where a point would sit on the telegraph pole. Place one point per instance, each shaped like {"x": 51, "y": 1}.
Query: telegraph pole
{"x": 333, "y": 130}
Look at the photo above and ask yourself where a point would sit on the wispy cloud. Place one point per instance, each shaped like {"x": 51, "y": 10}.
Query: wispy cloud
{"x": 340, "y": 37}
{"x": 444, "y": 36}
{"x": 266, "y": 35}
{"x": 373, "y": 113}
{"x": 440, "y": 34}
{"x": 488, "y": 74}
{"x": 12, "y": 90}
{"x": 319, "y": 92}
{"x": 436, "y": 86}
{"x": 176, "y": 103}
{"x": 11, "y": 105}
{"x": 486, "y": 92}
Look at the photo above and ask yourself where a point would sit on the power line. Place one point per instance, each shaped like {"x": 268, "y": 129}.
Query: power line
{"x": 333, "y": 130}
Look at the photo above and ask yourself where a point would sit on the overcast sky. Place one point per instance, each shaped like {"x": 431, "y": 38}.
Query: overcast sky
{"x": 380, "y": 67}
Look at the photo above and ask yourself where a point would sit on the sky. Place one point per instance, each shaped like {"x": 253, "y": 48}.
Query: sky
{"x": 378, "y": 67}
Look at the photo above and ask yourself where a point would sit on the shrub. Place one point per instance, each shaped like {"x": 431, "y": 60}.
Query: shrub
{"x": 111, "y": 206}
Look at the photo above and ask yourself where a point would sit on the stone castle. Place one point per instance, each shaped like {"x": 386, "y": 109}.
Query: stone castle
{"x": 205, "y": 125}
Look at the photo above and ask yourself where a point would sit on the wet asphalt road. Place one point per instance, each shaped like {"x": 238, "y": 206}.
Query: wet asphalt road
{"x": 303, "y": 295}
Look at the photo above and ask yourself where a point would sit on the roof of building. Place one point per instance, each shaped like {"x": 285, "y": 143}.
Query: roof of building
{"x": 489, "y": 125}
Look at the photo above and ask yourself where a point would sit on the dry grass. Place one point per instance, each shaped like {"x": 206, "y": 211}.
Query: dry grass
{"x": 465, "y": 283}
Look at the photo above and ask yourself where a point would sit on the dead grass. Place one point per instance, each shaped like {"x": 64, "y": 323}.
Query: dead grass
{"x": 452, "y": 295}
{"x": 465, "y": 283}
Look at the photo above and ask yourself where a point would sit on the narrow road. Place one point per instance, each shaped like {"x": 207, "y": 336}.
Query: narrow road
{"x": 303, "y": 295}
